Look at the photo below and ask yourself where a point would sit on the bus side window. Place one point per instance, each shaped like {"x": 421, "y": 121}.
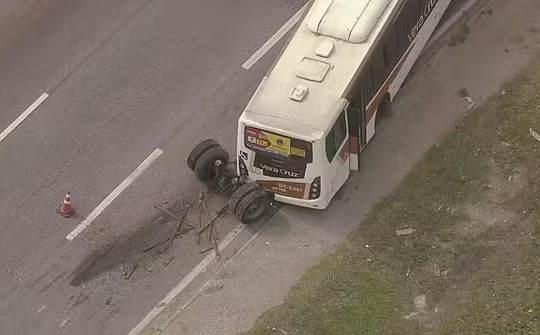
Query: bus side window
{"x": 368, "y": 84}
{"x": 378, "y": 68}
{"x": 407, "y": 19}
{"x": 391, "y": 48}
{"x": 336, "y": 136}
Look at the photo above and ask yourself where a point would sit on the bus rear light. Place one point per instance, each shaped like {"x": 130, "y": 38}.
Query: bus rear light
{"x": 315, "y": 189}
{"x": 242, "y": 167}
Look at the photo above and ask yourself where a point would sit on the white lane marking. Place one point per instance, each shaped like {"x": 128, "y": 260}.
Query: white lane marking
{"x": 186, "y": 281}
{"x": 274, "y": 39}
{"x": 203, "y": 287}
{"x": 23, "y": 116}
{"x": 115, "y": 193}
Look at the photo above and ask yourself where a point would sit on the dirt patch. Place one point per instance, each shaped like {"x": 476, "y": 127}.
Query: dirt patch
{"x": 472, "y": 263}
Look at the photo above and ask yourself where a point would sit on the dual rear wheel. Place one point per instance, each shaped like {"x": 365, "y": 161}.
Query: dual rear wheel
{"x": 249, "y": 202}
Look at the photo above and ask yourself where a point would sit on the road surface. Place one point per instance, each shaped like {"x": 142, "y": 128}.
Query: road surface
{"x": 124, "y": 78}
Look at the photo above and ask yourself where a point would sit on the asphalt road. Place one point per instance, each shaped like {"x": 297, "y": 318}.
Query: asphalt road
{"x": 123, "y": 76}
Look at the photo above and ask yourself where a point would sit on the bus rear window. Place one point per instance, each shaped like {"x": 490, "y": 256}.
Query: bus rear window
{"x": 265, "y": 141}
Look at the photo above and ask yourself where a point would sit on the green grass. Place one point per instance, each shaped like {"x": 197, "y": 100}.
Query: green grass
{"x": 486, "y": 282}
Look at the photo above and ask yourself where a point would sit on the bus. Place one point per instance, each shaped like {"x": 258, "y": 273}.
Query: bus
{"x": 320, "y": 104}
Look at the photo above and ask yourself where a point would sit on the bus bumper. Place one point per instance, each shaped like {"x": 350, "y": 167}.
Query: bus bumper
{"x": 314, "y": 204}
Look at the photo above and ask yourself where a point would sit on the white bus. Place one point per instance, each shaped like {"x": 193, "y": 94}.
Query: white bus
{"x": 321, "y": 102}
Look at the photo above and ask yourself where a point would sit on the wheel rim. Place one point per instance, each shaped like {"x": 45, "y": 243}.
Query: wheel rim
{"x": 255, "y": 209}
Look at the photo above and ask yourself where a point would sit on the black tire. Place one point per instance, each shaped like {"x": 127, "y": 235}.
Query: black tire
{"x": 240, "y": 194}
{"x": 199, "y": 149}
{"x": 205, "y": 165}
{"x": 254, "y": 205}
{"x": 384, "y": 111}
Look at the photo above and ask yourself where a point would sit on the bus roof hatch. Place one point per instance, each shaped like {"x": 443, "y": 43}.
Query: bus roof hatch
{"x": 348, "y": 20}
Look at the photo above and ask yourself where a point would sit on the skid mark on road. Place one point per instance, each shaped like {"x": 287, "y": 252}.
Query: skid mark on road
{"x": 126, "y": 250}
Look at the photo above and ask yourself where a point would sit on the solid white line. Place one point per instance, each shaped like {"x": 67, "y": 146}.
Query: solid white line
{"x": 274, "y": 39}
{"x": 115, "y": 193}
{"x": 186, "y": 281}
{"x": 23, "y": 116}
{"x": 203, "y": 287}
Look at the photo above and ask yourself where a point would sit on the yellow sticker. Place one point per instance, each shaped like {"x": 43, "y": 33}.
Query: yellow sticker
{"x": 262, "y": 142}
{"x": 279, "y": 144}
{"x": 298, "y": 152}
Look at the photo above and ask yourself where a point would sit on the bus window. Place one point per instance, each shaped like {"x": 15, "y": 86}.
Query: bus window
{"x": 391, "y": 48}
{"x": 368, "y": 84}
{"x": 407, "y": 19}
{"x": 336, "y": 136}
{"x": 378, "y": 69}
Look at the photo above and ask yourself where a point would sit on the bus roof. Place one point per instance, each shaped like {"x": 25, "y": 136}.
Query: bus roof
{"x": 305, "y": 85}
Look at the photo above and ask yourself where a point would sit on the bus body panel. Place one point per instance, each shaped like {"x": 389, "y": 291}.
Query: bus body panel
{"x": 275, "y": 134}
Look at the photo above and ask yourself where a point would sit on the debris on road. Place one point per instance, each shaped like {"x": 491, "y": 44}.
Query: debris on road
{"x": 168, "y": 261}
{"x": 176, "y": 231}
{"x": 205, "y": 250}
{"x": 199, "y": 216}
{"x": 131, "y": 272}
{"x": 214, "y": 218}
{"x": 406, "y": 231}
{"x": 179, "y": 225}
{"x": 534, "y": 134}
{"x": 216, "y": 247}
{"x": 65, "y": 322}
{"x": 176, "y": 217}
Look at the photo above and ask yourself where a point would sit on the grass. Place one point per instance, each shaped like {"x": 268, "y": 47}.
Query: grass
{"x": 474, "y": 202}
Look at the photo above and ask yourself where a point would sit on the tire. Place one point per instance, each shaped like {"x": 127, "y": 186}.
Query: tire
{"x": 199, "y": 149}
{"x": 240, "y": 194}
{"x": 205, "y": 164}
{"x": 254, "y": 205}
{"x": 384, "y": 111}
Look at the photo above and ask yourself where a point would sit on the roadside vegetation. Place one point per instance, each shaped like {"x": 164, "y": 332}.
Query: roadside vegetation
{"x": 471, "y": 264}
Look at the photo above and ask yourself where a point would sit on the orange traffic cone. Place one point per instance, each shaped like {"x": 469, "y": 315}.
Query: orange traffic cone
{"x": 66, "y": 210}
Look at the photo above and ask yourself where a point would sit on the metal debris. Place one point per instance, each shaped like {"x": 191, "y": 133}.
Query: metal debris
{"x": 176, "y": 231}
{"x": 216, "y": 247}
{"x": 199, "y": 216}
{"x": 131, "y": 272}
{"x": 65, "y": 322}
{"x": 534, "y": 134}
{"x": 406, "y": 231}
{"x": 176, "y": 217}
{"x": 205, "y": 250}
{"x": 179, "y": 225}
{"x": 168, "y": 261}
{"x": 214, "y": 218}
